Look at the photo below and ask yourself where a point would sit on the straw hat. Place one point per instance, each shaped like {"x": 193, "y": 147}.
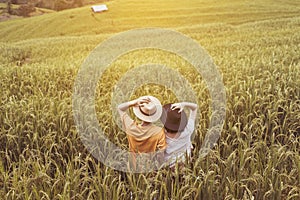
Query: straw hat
{"x": 173, "y": 120}
{"x": 149, "y": 112}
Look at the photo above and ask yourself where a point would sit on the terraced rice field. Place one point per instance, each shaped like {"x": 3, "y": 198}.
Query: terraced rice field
{"x": 256, "y": 47}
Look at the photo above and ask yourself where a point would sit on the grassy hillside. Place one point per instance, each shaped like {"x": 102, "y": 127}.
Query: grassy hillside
{"x": 255, "y": 45}
{"x": 124, "y": 15}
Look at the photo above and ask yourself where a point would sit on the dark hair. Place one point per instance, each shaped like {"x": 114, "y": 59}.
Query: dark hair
{"x": 170, "y": 131}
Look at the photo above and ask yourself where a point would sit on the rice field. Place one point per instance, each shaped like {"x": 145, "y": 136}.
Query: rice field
{"x": 256, "y": 47}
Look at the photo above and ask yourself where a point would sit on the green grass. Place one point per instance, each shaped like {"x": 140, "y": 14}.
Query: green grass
{"x": 255, "y": 45}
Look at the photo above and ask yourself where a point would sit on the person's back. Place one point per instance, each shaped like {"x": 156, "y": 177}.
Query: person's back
{"x": 178, "y": 129}
{"x": 144, "y": 137}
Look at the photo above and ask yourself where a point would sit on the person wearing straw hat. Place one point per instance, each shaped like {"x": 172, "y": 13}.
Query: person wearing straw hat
{"x": 144, "y": 137}
{"x": 178, "y": 130}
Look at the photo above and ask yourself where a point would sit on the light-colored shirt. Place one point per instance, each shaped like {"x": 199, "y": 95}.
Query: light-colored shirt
{"x": 177, "y": 148}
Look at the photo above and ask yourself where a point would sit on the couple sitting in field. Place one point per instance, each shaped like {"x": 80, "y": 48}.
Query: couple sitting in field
{"x": 145, "y": 137}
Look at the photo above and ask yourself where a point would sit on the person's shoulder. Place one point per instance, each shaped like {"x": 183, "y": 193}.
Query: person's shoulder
{"x": 127, "y": 121}
{"x": 157, "y": 130}
{"x": 127, "y": 117}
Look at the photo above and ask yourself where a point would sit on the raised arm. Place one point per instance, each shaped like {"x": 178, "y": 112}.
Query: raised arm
{"x": 137, "y": 102}
{"x": 192, "y": 106}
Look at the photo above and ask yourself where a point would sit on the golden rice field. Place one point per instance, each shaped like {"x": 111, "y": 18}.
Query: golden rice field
{"x": 256, "y": 47}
